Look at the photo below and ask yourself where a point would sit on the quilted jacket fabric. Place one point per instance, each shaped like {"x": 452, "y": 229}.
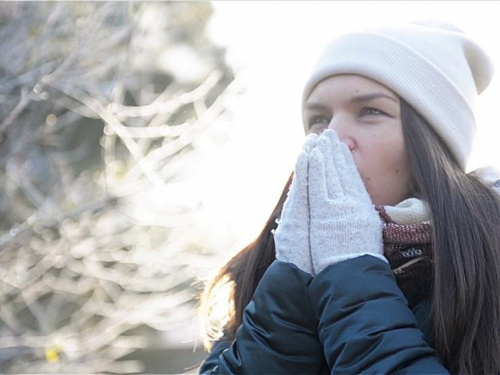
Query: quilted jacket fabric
{"x": 351, "y": 318}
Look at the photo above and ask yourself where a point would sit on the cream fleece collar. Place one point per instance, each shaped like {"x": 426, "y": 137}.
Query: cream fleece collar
{"x": 409, "y": 211}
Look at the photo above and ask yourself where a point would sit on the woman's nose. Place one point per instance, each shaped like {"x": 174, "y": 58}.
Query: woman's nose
{"x": 344, "y": 130}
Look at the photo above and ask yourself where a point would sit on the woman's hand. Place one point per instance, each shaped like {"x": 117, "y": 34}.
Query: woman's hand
{"x": 343, "y": 221}
{"x": 292, "y": 235}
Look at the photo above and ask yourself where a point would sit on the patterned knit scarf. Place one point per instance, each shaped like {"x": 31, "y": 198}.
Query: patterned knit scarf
{"x": 407, "y": 241}
{"x": 407, "y": 247}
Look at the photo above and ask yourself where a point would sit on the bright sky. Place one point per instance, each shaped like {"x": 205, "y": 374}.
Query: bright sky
{"x": 272, "y": 47}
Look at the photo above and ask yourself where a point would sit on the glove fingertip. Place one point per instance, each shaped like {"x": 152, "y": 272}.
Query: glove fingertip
{"x": 332, "y": 136}
{"x": 303, "y": 159}
{"x": 310, "y": 142}
{"x": 354, "y": 181}
{"x": 316, "y": 161}
{"x": 323, "y": 144}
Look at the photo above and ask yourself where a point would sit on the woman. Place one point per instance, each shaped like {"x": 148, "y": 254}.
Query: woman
{"x": 386, "y": 257}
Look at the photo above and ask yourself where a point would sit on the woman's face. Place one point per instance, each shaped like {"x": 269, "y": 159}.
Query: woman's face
{"x": 366, "y": 117}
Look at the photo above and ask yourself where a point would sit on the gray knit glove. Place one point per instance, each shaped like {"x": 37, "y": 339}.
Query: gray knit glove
{"x": 344, "y": 223}
{"x": 292, "y": 235}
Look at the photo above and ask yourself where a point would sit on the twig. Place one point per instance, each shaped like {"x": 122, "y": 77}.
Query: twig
{"x": 18, "y": 109}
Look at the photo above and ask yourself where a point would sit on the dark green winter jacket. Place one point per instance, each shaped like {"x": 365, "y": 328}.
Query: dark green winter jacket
{"x": 351, "y": 318}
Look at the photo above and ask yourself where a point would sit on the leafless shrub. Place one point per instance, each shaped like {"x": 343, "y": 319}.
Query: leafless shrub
{"x": 101, "y": 106}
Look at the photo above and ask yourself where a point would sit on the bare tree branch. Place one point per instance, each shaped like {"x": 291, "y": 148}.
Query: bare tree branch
{"x": 94, "y": 123}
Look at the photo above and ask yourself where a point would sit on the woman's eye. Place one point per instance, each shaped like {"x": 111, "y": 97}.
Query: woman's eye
{"x": 371, "y": 111}
{"x": 318, "y": 123}
{"x": 318, "y": 120}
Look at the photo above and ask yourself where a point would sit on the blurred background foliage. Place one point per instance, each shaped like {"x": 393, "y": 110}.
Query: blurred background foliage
{"x": 104, "y": 109}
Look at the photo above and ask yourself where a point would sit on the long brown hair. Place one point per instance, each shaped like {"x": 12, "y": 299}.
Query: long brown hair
{"x": 465, "y": 217}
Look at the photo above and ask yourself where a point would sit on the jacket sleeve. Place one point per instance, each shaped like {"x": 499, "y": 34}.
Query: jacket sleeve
{"x": 365, "y": 325}
{"x": 211, "y": 364}
{"x": 278, "y": 333}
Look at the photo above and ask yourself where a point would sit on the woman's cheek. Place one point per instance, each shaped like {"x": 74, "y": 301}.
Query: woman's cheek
{"x": 367, "y": 180}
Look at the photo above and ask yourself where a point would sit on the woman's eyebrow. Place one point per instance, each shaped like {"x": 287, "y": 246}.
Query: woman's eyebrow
{"x": 362, "y": 98}
{"x": 368, "y": 97}
{"x": 315, "y": 106}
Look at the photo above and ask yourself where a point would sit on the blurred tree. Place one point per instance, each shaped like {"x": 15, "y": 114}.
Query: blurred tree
{"x": 101, "y": 107}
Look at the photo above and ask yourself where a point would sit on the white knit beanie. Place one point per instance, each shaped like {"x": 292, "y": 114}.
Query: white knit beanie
{"x": 432, "y": 65}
